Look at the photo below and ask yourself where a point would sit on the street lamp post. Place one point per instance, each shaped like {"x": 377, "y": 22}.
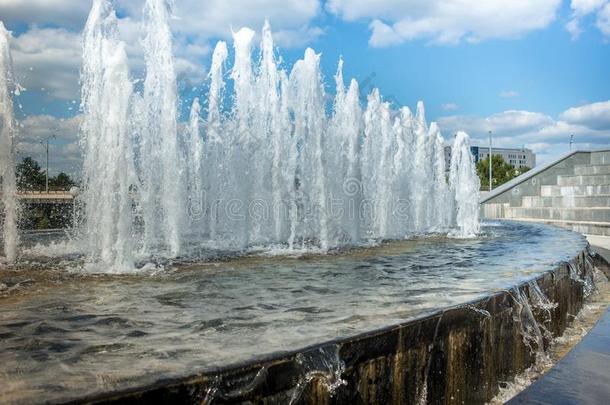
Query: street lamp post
{"x": 571, "y": 141}
{"x": 490, "y": 173}
{"x": 46, "y": 145}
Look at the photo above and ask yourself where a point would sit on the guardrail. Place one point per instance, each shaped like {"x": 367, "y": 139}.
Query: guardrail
{"x": 56, "y": 196}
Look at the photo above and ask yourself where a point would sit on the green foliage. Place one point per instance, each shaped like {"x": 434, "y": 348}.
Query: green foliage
{"x": 43, "y": 222}
{"x": 30, "y": 176}
{"x": 501, "y": 171}
{"x": 61, "y": 182}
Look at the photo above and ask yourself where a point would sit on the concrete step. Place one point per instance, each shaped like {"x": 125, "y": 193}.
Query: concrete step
{"x": 580, "y": 180}
{"x": 589, "y": 170}
{"x": 561, "y": 214}
{"x": 577, "y": 191}
{"x": 600, "y": 158}
{"x": 599, "y": 200}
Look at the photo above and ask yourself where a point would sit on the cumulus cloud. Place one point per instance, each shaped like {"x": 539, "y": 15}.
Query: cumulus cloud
{"x": 446, "y": 21}
{"x": 603, "y": 20}
{"x": 290, "y": 18}
{"x": 48, "y": 60}
{"x": 583, "y": 8}
{"x": 65, "y": 13}
{"x": 211, "y": 19}
{"x": 511, "y": 122}
{"x": 596, "y": 115}
{"x": 548, "y": 137}
{"x": 64, "y": 151}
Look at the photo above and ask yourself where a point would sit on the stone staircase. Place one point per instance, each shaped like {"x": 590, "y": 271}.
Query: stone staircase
{"x": 572, "y": 192}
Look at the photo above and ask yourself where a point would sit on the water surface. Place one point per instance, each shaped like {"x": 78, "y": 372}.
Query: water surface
{"x": 64, "y": 334}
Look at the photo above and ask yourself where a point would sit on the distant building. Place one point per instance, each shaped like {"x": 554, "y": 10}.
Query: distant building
{"x": 517, "y": 158}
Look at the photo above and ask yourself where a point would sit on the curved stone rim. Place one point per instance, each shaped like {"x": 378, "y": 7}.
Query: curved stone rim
{"x": 458, "y": 353}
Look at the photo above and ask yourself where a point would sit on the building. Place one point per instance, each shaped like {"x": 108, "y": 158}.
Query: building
{"x": 517, "y": 158}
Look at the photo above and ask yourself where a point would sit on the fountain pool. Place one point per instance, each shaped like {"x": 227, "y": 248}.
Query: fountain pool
{"x": 276, "y": 238}
{"x": 66, "y": 334}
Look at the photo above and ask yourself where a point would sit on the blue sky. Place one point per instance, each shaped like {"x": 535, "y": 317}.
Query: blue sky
{"x": 534, "y": 71}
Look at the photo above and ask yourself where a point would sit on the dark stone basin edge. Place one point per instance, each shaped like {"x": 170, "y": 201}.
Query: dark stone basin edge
{"x": 455, "y": 355}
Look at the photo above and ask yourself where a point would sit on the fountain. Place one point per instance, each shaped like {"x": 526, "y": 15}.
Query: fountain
{"x": 272, "y": 247}
{"x": 274, "y": 169}
{"x": 8, "y": 214}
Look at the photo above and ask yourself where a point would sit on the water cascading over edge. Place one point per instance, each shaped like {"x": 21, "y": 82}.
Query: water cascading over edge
{"x": 9, "y": 212}
{"x": 270, "y": 165}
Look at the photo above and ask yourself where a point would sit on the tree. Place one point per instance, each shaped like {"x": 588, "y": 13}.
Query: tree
{"x": 30, "y": 176}
{"x": 61, "y": 182}
{"x": 501, "y": 171}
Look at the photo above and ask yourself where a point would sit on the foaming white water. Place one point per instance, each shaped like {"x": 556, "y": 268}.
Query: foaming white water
{"x": 8, "y": 214}
{"x": 561, "y": 345}
{"x": 273, "y": 165}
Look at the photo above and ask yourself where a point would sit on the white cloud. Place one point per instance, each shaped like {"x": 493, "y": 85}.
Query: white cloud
{"x": 210, "y": 19}
{"x": 511, "y": 122}
{"x": 509, "y": 94}
{"x": 65, "y": 13}
{"x": 573, "y": 27}
{"x": 449, "y": 107}
{"x": 603, "y": 20}
{"x": 48, "y": 60}
{"x": 583, "y": 8}
{"x": 547, "y": 136}
{"x": 446, "y": 21}
{"x": 290, "y": 19}
{"x": 596, "y": 115}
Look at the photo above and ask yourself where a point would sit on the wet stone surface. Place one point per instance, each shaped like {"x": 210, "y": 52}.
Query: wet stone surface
{"x": 581, "y": 377}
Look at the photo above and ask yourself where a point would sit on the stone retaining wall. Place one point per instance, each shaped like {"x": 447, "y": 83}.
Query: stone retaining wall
{"x": 572, "y": 192}
{"x": 457, "y": 355}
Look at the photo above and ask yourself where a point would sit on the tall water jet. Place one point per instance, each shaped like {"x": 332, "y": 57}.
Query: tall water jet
{"x": 108, "y": 168}
{"x": 216, "y": 168}
{"x": 307, "y": 96}
{"x": 370, "y": 155}
{"x": 269, "y": 168}
{"x": 403, "y": 164}
{"x": 465, "y": 186}
{"x": 162, "y": 201}
{"x": 8, "y": 215}
{"x": 438, "y": 206}
{"x": 347, "y": 182}
{"x": 377, "y": 163}
{"x": 421, "y": 175}
{"x": 268, "y": 86}
{"x": 243, "y": 136}
{"x": 195, "y": 163}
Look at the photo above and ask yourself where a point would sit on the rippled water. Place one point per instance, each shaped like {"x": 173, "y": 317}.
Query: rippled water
{"x": 64, "y": 334}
